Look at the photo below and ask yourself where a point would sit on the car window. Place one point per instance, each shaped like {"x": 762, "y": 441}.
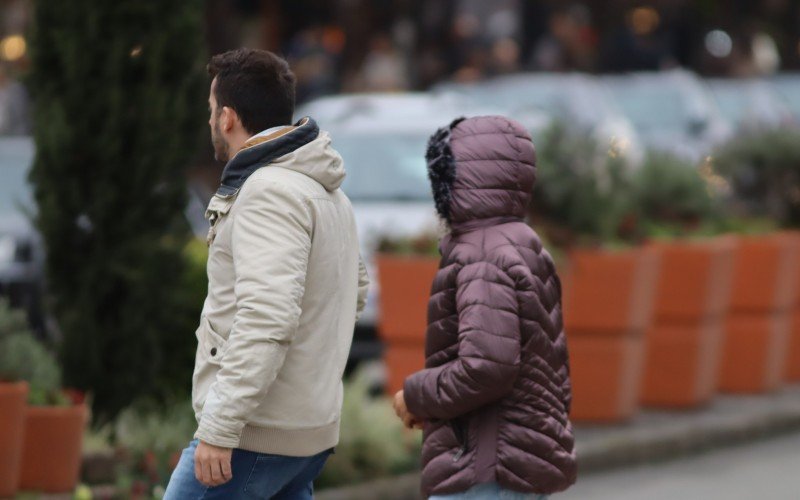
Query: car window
{"x": 731, "y": 103}
{"x": 16, "y": 157}
{"x": 653, "y": 107}
{"x": 789, "y": 90}
{"x": 384, "y": 167}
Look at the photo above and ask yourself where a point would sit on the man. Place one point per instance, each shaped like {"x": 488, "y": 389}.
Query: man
{"x": 285, "y": 286}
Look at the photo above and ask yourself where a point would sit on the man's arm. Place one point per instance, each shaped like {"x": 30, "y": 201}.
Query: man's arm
{"x": 271, "y": 240}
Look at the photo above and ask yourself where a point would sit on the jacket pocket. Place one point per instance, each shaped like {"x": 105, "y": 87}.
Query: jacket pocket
{"x": 213, "y": 346}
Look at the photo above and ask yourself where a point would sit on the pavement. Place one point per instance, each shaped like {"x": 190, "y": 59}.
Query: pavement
{"x": 652, "y": 437}
{"x": 767, "y": 470}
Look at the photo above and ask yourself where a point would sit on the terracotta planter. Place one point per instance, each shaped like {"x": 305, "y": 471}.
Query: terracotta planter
{"x": 757, "y": 332}
{"x": 51, "y": 456}
{"x": 792, "y": 371}
{"x": 607, "y": 299}
{"x": 13, "y": 397}
{"x": 684, "y": 339}
{"x": 405, "y": 286}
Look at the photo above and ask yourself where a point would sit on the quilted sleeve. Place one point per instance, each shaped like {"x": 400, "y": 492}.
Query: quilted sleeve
{"x": 488, "y": 359}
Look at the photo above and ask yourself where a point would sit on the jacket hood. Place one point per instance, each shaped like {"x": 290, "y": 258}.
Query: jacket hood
{"x": 301, "y": 147}
{"x": 318, "y": 160}
{"x": 482, "y": 171}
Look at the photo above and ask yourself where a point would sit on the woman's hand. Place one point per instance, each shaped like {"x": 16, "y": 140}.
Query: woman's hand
{"x": 400, "y": 408}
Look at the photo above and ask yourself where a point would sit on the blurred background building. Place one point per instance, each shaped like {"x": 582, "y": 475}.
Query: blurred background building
{"x": 378, "y": 45}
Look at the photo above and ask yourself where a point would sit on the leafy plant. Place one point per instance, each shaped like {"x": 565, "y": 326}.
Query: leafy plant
{"x": 24, "y": 358}
{"x": 763, "y": 170}
{"x": 582, "y": 191}
{"x": 145, "y": 442}
{"x": 373, "y": 442}
{"x": 674, "y": 197}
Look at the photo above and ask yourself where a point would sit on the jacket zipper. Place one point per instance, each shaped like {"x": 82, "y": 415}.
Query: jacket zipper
{"x": 458, "y": 430}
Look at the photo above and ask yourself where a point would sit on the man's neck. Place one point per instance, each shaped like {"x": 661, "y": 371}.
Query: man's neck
{"x": 237, "y": 141}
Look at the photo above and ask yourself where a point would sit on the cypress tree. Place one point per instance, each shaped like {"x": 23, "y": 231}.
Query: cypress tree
{"x": 119, "y": 101}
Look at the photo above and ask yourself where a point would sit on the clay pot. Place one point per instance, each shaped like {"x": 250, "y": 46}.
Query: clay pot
{"x": 51, "y": 456}
{"x": 757, "y": 331}
{"x": 684, "y": 340}
{"x": 13, "y": 397}
{"x": 607, "y": 300}
{"x": 792, "y": 371}
{"x": 405, "y": 286}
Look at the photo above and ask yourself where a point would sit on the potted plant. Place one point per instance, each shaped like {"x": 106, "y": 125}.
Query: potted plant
{"x": 677, "y": 205}
{"x": 761, "y": 346}
{"x": 581, "y": 204}
{"x": 13, "y": 394}
{"x": 406, "y": 268}
{"x": 53, "y": 427}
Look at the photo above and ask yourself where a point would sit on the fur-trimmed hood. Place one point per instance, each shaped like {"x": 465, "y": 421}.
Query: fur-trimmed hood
{"x": 482, "y": 171}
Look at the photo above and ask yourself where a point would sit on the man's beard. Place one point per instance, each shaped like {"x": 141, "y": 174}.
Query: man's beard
{"x": 221, "y": 149}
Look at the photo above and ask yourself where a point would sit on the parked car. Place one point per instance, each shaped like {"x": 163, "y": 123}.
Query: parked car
{"x": 21, "y": 254}
{"x": 750, "y": 104}
{"x": 382, "y": 139}
{"x": 672, "y": 111}
{"x": 787, "y": 85}
{"x": 576, "y": 99}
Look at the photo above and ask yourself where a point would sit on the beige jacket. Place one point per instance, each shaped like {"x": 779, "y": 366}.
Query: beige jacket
{"x": 285, "y": 286}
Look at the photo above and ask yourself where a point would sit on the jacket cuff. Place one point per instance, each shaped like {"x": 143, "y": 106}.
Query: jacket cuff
{"x": 210, "y": 432}
{"x": 414, "y": 394}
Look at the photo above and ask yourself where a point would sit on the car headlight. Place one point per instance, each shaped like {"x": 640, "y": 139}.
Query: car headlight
{"x": 8, "y": 249}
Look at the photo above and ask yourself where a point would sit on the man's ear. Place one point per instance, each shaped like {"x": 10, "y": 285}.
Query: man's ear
{"x": 228, "y": 119}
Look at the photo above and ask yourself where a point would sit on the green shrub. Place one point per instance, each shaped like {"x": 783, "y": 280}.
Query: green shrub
{"x": 145, "y": 440}
{"x": 119, "y": 95}
{"x": 582, "y": 192}
{"x": 24, "y": 358}
{"x": 764, "y": 172}
{"x": 673, "y": 197}
{"x": 373, "y": 442}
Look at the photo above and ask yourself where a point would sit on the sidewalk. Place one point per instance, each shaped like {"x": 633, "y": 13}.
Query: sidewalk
{"x": 652, "y": 436}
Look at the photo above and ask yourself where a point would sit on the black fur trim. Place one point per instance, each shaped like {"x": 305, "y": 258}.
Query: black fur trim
{"x": 442, "y": 168}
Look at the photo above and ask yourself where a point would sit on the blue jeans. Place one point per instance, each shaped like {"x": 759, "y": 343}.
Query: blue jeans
{"x": 255, "y": 476}
{"x": 489, "y": 491}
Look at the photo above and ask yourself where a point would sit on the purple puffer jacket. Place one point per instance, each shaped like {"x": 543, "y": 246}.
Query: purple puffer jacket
{"x": 495, "y": 393}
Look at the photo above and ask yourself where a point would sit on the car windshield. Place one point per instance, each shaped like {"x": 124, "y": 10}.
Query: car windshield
{"x": 653, "y": 107}
{"x": 16, "y": 156}
{"x": 384, "y": 166}
{"x": 731, "y": 104}
{"x": 789, "y": 89}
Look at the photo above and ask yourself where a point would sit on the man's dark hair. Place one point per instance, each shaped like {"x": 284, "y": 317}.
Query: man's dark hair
{"x": 257, "y": 84}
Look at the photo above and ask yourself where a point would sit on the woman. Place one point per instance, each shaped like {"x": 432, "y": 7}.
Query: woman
{"x": 494, "y": 397}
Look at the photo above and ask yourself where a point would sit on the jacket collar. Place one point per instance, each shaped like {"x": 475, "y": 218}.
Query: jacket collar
{"x": 260, "y": 150}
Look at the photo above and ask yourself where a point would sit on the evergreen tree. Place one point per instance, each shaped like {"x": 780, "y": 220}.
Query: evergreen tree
{"x": 119, "y": 97}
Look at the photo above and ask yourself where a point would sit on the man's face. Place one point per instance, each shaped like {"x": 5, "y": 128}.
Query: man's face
{"x": 221, "y": 148}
